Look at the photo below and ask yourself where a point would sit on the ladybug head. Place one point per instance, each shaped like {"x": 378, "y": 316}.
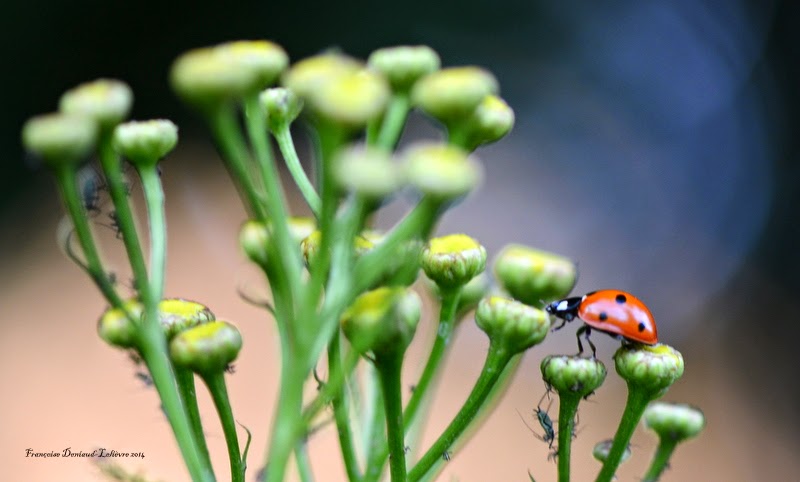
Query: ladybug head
{"x": 566, "y": 309}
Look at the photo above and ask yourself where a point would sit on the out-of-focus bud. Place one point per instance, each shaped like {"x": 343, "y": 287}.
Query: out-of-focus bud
{"x": 573, "y": 375}
{"x": 281, "y": 105}
{"x": 652, "y": 368}
{"x": 452, "y": 261}
{"x": 60, "y": 139}
{"x": 312, "y": 244}
{"x": 301, "y": 227}
{"x": 144, "y": 143}
{"x": 441, "y": 171}
{"x": 534, "y": 276}
{"x": 351, "y": 100}
{"x": 368, "y": 172}
{"x": 264, "y": 59}
{"x": 307, "y": 76}
{"x": 675, "y": 422}
{"x": 107, "y": 101}
{"x": 511, "y": 324}
{"x": 404, "y": 65}
{"x": 601, "y": 450}
{"x": 490, "y": 122}
{"x": 254, "y": 238}
{"x": 453, "y": 93}
{"x": 116, "y": 329}
{"x": 382, "y": 320}
{"x": 206, "y": 349}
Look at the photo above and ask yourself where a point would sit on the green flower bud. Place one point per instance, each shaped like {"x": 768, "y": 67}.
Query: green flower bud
{"x": 177, "y": 315}
{"x": 254, "y": 238}
{"x": 281, "y": 105}
{"x": 116, "y": 329}
{"x": 453, "y": 93}
{"x": 368, "y": 172}
{"x": 674, "y": 421}
{"x": 301, "y": 227}
{"x": 60, "y": 138}
{"x": 311, "y": 246}
{"x": 145, "y": 143}
{"x": 601, "y": 450}
{"x": 382, "y": 320}
{"x": 206, "y": 348}
{"x": 452, "y": 261}
{"x": 441, "y": 171}
{"x": 107, "y": 101}
{"x": 652, "y": 368}
{"x": 404, "y": 65}
{"x": 352, "y": 99}
{"x": 309, "y": 75}
{"x": 490, "y": 122}
{"x": 573, "y": 374}
{"x": 511, "y": 323}
{"x": 534, "y": 276}
{"x": 265, "y": 60}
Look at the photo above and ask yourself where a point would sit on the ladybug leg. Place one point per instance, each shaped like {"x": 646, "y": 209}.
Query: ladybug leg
{"x": 585, "y": 331}
{"x": 567, "y": 318}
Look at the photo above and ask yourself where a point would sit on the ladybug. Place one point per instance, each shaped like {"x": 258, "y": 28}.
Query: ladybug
{"x": 614, "y": 312}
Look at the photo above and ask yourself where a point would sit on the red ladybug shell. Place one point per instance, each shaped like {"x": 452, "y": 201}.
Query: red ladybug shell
{"x": 618, "y": 313}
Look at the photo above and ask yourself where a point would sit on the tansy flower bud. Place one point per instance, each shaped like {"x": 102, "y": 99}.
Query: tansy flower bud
{"x": 107, "y": 101}
{"x": 264, "y": 59}
{"x": 490, "y": 122}
{"x": 60, "y": 138}
{"x": 675, "y": 422}
{"x": 453, "y": 93}
{"x": 652, "y": 368}
{"x": 512, "y": 324}
{"x": 351, "y": 100}
{"x": 573, "y": 375}
{"x": 534, "y": 276}
{"x": 301, "y": 227}
{"x": 176, "y": 315}
{"x": 366, "y": 171}
{"x": 382, "y": 320}
{"x": 206, "y": 348}
{"x": 601, "y": 450}
{"x": 281, "y": 105}
{"x": 441, "y": 171}
{"x": 253, "y": 238}
{"x": 116, "y": 329}
{"x": 311, "y": 246}
{"x": 145, "y": 143}
{"x": 309, "y": 75}
{"x": 404, "y": 65}
{"x": 452, "y": 261}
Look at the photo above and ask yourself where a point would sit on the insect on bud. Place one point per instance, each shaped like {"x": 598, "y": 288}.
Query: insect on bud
{"x": 107, "y": 101}
{"x": 514, "y": 325}
{"x": 404, "y": 65}
{"x": 144, "y": 143}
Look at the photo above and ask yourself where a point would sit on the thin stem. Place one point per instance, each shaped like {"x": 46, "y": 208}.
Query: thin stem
{"x": 283, "y": 135}
{"x": 219, "y": 393}
{"x": 666, "y": 446}
{"x": 393, "y": 122}
{"x": 331, "y": 388}
{"x": 186, "y": 388}
{"x": 389, "y": 368}
{"x": 568, "y": 407}
{"x": 288, "y": 422}
{"x": 341, "y": 411}
{"x": 376, "y": 450}
{"x": 67, "y": 181}
{"x": 154, "y": 198}
{"x": 634, "y": 408}
{"x": 496, "y": 361}
{"x": 303, "y": 462}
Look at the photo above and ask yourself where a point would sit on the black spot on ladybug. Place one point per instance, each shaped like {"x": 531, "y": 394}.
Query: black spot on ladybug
{"x": 641, "y": 326}
{"x": 621, "y": 299}
{"x": 603, "y": 316}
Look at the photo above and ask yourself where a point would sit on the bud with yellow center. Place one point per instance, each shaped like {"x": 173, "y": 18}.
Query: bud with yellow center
{"x": 533, "y": 276}
{"x": 452, "y": 261}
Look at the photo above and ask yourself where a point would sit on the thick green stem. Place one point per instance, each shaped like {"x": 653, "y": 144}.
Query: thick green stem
{"x": 186, "y": 387}
{"x": 341, "y": 411}
{"x": 376, "y": 450}
{"x": 666, "y": 446}
{"x": 496, "y": 361}
{"x": 154, "y": 198}
{"x": 219, "y": 393}
{"x": 389, "y": 367}
{"x": 634, "y": 408}
{"x": 284, "y": 137}
{"x": 568, "y": 408}
{"x": 67, "y": 181}
{"x": 393, "y": 122}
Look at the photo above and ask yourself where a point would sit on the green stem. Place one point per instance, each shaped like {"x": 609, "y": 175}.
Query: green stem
{"x": 288, "y": 423}
{"x": 186, "y": 388}
{"x": 457, "y": 135}
{"x": 567, "y": 409}
{"x": 496, "y": 361}
{"x": 67, "y": 181}
{"x": 375, "y": 448}
{"x": 341, "y": 411}
{"x": 393, "y": 122}
{"x": 661, "y": 458}
{"x": 389, "y": 367}
{"x": 303, "y": 462}
{"x": 331, "y": 388}
{"x": 154, "y": 198}
{"x": 283, "y": 135}
{"x": 634, "y": 408}
{"x": 219, "y": 393}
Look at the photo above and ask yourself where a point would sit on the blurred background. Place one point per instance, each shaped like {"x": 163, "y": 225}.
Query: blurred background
{"x": 655, "y": 144}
